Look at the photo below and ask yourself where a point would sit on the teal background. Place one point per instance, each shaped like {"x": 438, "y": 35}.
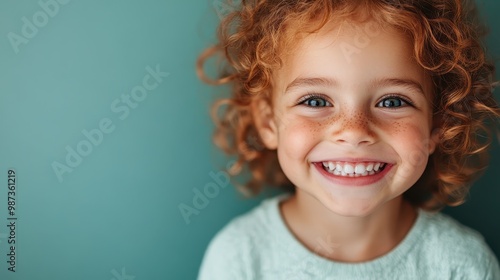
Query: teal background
{"x": 117, "y": 212}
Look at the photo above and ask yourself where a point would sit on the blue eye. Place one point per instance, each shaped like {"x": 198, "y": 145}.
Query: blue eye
{"x": 393, "y": 102}
{"x": 315, "y": 101}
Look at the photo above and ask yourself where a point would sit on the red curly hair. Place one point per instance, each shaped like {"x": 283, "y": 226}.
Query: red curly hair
{"x": 446, "y": 35}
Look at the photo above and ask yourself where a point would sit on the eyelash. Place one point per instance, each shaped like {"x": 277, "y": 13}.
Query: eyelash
{"x": 396, "y": 96}
{"x": 310, "y": 96}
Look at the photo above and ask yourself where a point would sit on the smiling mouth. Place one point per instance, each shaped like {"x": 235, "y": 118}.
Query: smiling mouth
{"x": 346, "y": 169}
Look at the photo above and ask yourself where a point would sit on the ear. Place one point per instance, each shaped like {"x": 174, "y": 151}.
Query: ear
{"x": 264, "y": 121}
{"x": 435, "y": 133}
{"x": 434, "y": 139}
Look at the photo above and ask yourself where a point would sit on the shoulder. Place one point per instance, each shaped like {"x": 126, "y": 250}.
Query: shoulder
{"x": 448, "y": 244}
{"x": 232, "y": 251}
{"x": 248, "y": 228}
{"x": 442, "y": 231}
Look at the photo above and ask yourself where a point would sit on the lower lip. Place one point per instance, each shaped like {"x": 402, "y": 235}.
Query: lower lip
{"x": 353, "y": 181}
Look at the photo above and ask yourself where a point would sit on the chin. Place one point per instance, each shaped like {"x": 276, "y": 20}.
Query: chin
{"x": 350, "y": 208}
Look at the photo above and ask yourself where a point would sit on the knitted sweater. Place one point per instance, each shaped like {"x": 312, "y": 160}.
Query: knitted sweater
{"x": 258, "y": 245}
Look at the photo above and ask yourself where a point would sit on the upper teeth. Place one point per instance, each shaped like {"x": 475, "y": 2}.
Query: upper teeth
{"x": 343, "y": 168}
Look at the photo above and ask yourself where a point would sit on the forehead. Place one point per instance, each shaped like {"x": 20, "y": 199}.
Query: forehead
{"x": 349, "y": 50}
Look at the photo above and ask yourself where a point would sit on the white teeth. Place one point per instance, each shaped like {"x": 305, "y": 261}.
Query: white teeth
{"x": 338, "y": 167}
{"x": 348, "y": 169}
{"x": 353, "y": 170}
{"x": 369, "y": 167}
{"x": 331, "y": 166}
{"x": 359, "y": 169}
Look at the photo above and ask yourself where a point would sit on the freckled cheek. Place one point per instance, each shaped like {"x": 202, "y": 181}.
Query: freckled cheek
{"x": 410, "y": 140}
{"x": 298, "y": 137}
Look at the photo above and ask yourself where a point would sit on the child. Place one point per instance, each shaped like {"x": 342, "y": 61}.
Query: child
{"x": 374, "y": 115}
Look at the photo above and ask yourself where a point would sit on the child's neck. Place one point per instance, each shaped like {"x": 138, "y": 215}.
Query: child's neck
{"x": 347, "y": 239}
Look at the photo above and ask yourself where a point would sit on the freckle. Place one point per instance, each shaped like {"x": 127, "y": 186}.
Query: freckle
{"x": 398, "y": 128}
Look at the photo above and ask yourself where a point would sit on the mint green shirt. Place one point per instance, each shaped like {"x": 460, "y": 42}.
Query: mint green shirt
{"x": 258, "y": 245}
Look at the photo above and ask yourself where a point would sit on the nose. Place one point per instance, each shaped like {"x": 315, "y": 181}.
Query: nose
{"x": 354, "y": 129}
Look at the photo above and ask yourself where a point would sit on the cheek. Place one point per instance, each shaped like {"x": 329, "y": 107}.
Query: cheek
{"x": 298, "y": 137}
{"x": 411, "y": 141}
{"x": 409, "y": 135}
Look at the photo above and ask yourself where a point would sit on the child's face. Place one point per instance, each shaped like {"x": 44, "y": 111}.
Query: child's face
{"x": 370, "y": 108}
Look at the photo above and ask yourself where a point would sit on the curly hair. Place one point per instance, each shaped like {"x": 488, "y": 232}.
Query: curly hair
{"x": 447, "y": 39}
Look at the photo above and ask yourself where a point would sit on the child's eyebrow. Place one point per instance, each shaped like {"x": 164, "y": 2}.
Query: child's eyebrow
{"x": 330, "y": 82}
{"x": 302, "y": 82}
{"x": 401, "y": 82}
